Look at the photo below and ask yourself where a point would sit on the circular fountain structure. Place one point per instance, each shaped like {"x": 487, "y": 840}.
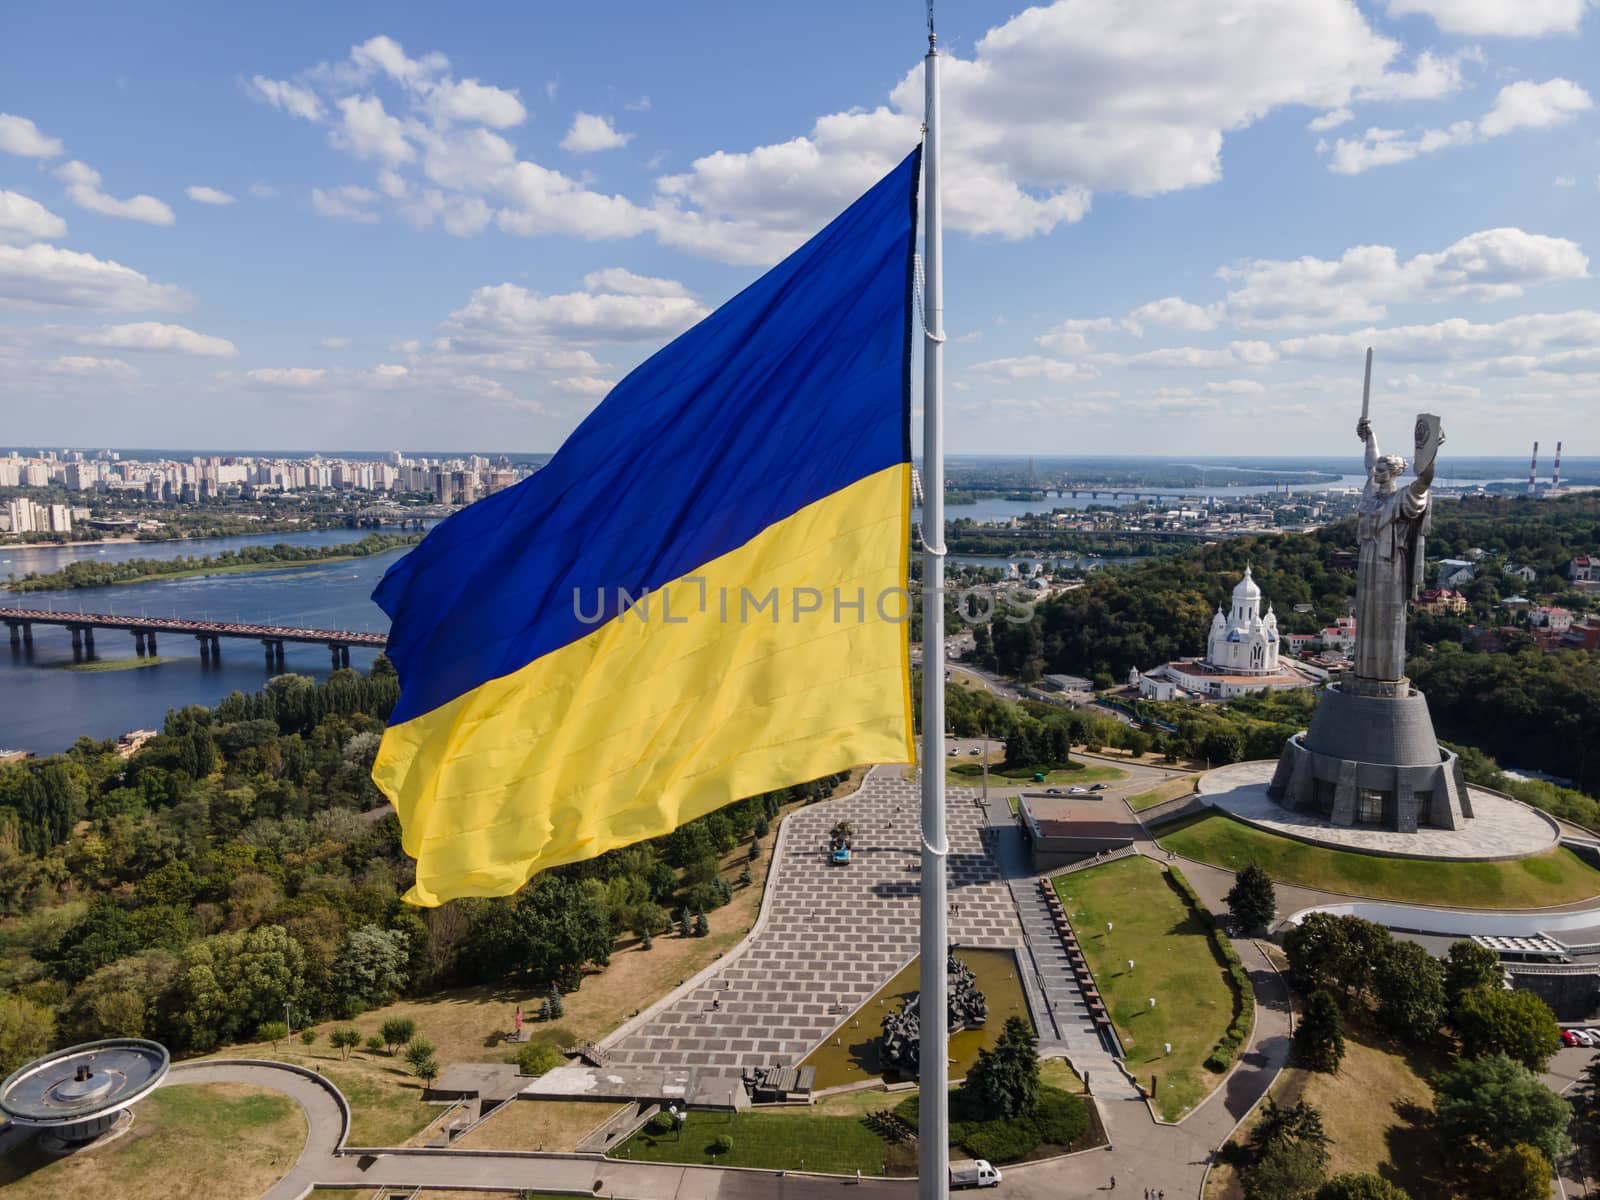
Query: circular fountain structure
{"x": 78, "y": 1094}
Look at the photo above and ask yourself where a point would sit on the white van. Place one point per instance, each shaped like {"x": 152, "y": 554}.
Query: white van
{"x": 973, "y": 1173}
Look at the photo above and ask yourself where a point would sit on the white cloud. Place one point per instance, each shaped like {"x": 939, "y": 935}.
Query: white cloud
{"x": 18, "y": 135}
{"x": 583, "y": 385}
{"x": 42, "y": 276}
{"x": 506, "y": 311}
{"x": 1564, "y": 181}
{"x": 207, "y": 195}
{"x": 442, "y": 97}
{"x": 1491, "y": 264}
{"x": 88, "y": 367}
{"x": 626, "y": 283}
{"x": 293, "y": 99}
{"x": 1230, "y": 357}
{"x": 1529, "y": 337}
{"x": 1331, "y": 120}
{"x": 1055, "y": 102}
{"x": 642, "y": 104}
{"x": 1236, "y": 387}
{"x": 263, "y": 191}
{"x": 152, "y": 335}
{"x": 1431, "y": 78}
{"x": 1526, "y": 105}
{"x": 348, "y": 202}
{"x": 1497, "y": 18}
{"x": 83, "y": 186}
{"x": 335, "y": 343}
{"x": 591, "y": 133}
{"x": 369, "y": 132}
{"x": 1175, "y": 313}
{"x": 25, "y": 220}
{"x": 1034, "y": 366}
{"x": 1521, "y": 105}
{"x": 286, "y": 377}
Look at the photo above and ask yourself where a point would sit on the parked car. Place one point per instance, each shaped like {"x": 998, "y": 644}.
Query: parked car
{"x": 1052, "y": 791}
{"x": 1099, "y": 787}
{"x": 1587, "y": 1037}
{"x": 974, "y": 750}
{"x": 1075, "y": 790}
{"x": 1568, "y": 1038}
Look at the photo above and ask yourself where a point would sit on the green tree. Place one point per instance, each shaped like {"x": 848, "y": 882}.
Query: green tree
{"x": 230, "y": 983}
{"x": 374, "y": 1044}
{"x": 1285, "y": 1171}
{"x": 308, "y": 1037}
{"x": 427, "y": 1070}
{"x": 396, "y": 1032}
{"x": 274, "y": 1032}
{"x": 1338, "y": 953}
{"x": 1410, "y": 987}
{"x": 1495, "y": 1102}
{"x": 557, "y": 1007}
{"x": 345, "y": 1039}
{"x": 1469, "y": 966}
{"x": 372, "y": 965}
{"x": 1491, "y": 1020}
{"x": 702, "y": 927}
{"x": 1350, "y": 1186}
{"x": 721, "y": 1144}
{"x": 1252, "y": 900}
{"x": 418, "y": 1051}
{"x": 1005, "y": 1081}
{"x": 1319, "y": 1038}
{"x": 1519, "y": 1173}
{"x": 26, "y": 1031}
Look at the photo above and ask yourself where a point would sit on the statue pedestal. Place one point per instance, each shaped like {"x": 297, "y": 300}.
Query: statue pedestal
{"x": 1371, "y": 758}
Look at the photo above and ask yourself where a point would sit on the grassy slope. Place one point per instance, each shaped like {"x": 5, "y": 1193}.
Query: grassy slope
{"x": 1160, "y": 794}
{"x": 771, "y": 1140}
{"x": 1378, "y": 1111}
{"x": 550, "y": 1125}
{"x": 1173, "y": 962}
{"x": 257, "y": 1133}
{"x": 1555, "y": 877}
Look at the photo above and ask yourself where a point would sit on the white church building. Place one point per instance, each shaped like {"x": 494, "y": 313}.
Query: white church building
{"x": 1241, "y": 657}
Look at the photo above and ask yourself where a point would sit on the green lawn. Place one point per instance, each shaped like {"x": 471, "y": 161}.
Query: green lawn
{"x": 1555, "y": 877}
{"x": 1173, "y": 962}
{"x": 1160, "y": 794}
{"x": 772, "y": 1141}
{"x": 382, "y": 1114}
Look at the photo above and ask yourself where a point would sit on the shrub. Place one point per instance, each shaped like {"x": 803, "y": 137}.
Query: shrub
{"x": 1243, "y": 995}
{"x": 419, "y": 1051}
{"x": 659, "y": 1124}
{"x": 557, "y": 1008}
{"x": 535, "y": 1058}
{"x": 345, "y": 1039}
{"x": 308, "y": 1036}
{"x": 272, "y": 1031}
{"x": 375, "y": 1044}
{"x": 721, "y": 1144}
{"x": 1061, "y": 1118}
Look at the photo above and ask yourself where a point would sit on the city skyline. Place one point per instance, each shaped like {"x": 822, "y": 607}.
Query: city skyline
{"x": 363, "y": 223}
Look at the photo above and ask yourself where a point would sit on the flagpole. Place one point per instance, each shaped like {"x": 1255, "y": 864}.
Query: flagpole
{"x": 933, "y": 1135}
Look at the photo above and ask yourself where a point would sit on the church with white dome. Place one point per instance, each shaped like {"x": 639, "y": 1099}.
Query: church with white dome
{"x": 1243, "y": 642}
{"x": 1241, "y": 656}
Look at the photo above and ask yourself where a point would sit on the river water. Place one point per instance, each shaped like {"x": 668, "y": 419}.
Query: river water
{"x": 44, "y": 706}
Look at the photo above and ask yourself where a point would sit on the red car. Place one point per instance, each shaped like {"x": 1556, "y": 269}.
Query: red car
{"x": 1568, "y": 1038}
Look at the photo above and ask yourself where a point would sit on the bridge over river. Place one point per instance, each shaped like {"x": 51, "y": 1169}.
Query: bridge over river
{"x": 20, "y": 623}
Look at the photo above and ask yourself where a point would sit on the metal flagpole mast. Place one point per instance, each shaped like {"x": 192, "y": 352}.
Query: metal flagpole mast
{"x": 933, "y": 1135}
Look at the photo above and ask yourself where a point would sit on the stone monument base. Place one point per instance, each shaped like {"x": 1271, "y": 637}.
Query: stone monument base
{"x": 1371, "y": 758}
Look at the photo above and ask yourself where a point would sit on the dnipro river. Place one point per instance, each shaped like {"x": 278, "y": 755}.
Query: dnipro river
{"x": 45, "y": 708}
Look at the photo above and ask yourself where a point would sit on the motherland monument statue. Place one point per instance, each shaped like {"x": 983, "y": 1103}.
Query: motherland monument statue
{"x": 1371, "y": 756}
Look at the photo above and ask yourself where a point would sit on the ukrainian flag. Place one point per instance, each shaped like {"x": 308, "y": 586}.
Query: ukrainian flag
{"x": 701, "y": 597}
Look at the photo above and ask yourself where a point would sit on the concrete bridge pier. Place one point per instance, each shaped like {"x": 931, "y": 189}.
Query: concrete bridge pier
{"x": 205, "y": 646}
{"x": 150, "y": 642}
{"x": 216, "y": 648}
{"x": 341, "y": 655}
{"x": 274, "y": 648}
{"x": 77, "y": 641}
{"x": 15, "y": 630}
{"x": 138, "y": 642}
{"x": 88, "y": 640}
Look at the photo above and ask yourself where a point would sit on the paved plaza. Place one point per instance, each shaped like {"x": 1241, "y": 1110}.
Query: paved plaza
{"x": 830, "y": 936}
{"x": 1499, "y": 828}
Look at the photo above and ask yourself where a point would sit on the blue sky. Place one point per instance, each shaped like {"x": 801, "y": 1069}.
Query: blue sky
{"x": 1173, "y": 226}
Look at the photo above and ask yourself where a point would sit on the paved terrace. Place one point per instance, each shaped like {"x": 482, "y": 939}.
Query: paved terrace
{"x": 830, "y": 936}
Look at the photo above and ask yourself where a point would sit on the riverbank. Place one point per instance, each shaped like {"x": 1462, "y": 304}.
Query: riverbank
{"x": 92, "y": 573}
{"x": 99, "y": 665}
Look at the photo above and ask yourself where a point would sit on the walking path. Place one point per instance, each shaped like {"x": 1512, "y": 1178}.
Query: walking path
{"x": 828, "y": 937}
